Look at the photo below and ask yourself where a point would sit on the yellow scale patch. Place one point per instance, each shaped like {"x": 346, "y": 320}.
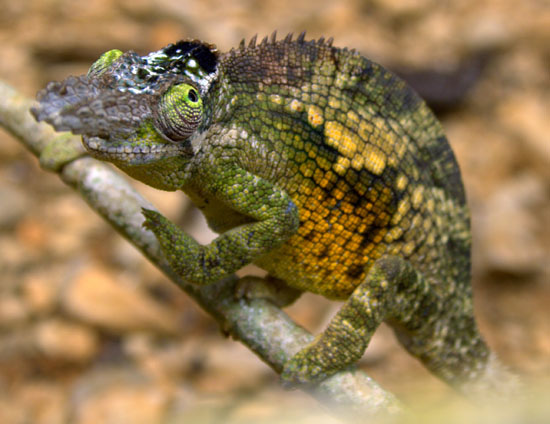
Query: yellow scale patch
{"x": 337, "y": 236}
{"x": 361, "y": 144}
{"x": 275, "y": 98}
{"x": 408, "y": 248}
{"x": 355, "y": 151}
{"x": 348, "y": 145}
{"x": 341, "y": 139}
{"x": 296, "y": 105}
{"x": 365, "y": 129}
{"x": 401, "y": 182}
{"x": 393, "y": 234}
{"x": 417, "y": 196}
{"x": 430, "y": 205}
{"x": 402, "y": 208}
{"x": 353, "y": 118}
{"x": 375, "y": 160}
{"x": 315, "y": 116}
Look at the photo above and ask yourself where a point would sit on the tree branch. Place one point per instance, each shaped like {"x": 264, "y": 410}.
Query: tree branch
{"x": 259, "y": 324}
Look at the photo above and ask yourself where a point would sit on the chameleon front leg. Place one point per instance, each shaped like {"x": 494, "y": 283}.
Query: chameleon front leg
{"x": 429, "y": 326}
{"x": 275, "y": 219}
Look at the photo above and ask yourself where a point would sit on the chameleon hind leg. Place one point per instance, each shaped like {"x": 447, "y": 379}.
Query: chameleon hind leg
{"x": 442, "y": 334}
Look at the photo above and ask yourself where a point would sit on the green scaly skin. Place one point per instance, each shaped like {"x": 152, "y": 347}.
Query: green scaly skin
{"x": 314, "y": 163}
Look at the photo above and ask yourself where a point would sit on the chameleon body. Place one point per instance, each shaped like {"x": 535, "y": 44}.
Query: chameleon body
{"x": 312, "y": 162}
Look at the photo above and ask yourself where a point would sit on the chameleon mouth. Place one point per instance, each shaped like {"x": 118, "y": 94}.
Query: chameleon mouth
{"x": 129, "y": 152}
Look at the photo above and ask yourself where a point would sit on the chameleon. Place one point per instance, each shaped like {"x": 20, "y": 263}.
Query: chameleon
{"x": 310, "y": 161}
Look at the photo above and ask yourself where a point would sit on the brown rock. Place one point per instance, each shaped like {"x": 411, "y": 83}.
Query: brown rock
{"x": 227, "y": 366}
{"x": 97, "y": 297}
{"x": 118, "y": 396}
{"x": 39, "y": 292}
{"x": 18, "y": 205}
{"x": 71, "y": 225}
{"x": 526, "y": 115}
{"x": 36, "y": 402}
{"x": 32, "y": 233}
{"x": 66, "y": 340}
{"x": 12, "y": 311}
{"x": 507, "y": 229}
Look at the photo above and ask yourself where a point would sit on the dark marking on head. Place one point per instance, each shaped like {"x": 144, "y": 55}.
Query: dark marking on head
{"x": 204, "y": 54}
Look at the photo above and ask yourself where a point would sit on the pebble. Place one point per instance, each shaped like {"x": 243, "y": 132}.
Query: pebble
{"x": 40, "y": 291}
{"x": 507, "y": 227}
{"x": 13, "y": 311}
{"x": 66, "y": 340}
{"x": 112, "y": 302}
{"x": 118, "y": 395}
{"x": 17, "y": 201}
{"x": 36, "y": 401}
{"x": 527, "y": 116}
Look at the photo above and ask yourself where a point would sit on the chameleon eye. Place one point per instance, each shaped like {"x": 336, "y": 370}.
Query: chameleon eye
{"x": 104, "y": 62}
{"x": 179, "y": 112}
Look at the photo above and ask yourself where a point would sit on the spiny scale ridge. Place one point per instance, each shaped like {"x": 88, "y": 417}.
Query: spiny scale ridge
{"x": 253, "y": 42}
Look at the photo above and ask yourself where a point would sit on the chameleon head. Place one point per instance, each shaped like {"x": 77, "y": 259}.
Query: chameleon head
{"x": 139, "y": 112}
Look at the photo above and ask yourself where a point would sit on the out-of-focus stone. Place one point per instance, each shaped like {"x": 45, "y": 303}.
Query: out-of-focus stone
{"x": 126, "y": 256}
{"x": 71, "y": 224}
{"x": 39, "y": 291}
{"x": 12, "y": 311}
{"x": 14, "y": 256}
{"x": 16, "y": 345}
{"x": 32, "y": 233}
{"x": 215, "y": 365}
{"x": 487, "y": 31}
{"x": 227, "y": 366}
{"x": 66, "y": 340}
{"x": 14, "y": 205}
{"x": 197, "y": 227}
{"x": 36, "y": 402}
{"x": 381, "y": 346}
{"x": 403, "y": 7}
{"x": 265, "y": 406}
{"x": 527, "y": 116}
{"x": 9, "y": 414}
{"x": 169, "y": 203}
{"x": 53, "y": 339}
{"x": 114, "y": 303}
{"x": 188, "y": 407}
{"x": 118, "y": 396}
{"x": 312, "y": 311}
{"x": 507, "y": 228}
{"x": 166, "y": 31}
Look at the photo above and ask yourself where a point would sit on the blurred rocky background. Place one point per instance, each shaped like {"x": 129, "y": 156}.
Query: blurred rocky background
{"x": 92, "y": 333}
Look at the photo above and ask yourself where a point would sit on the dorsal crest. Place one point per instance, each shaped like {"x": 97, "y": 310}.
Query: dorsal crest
{"x": 286, "y": 40}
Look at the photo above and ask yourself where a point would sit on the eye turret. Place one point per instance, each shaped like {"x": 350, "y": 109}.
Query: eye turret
{"x": 179, "y": 112}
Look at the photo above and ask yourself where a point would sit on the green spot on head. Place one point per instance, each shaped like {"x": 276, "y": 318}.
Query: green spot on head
{"x": 104, "y": 62}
